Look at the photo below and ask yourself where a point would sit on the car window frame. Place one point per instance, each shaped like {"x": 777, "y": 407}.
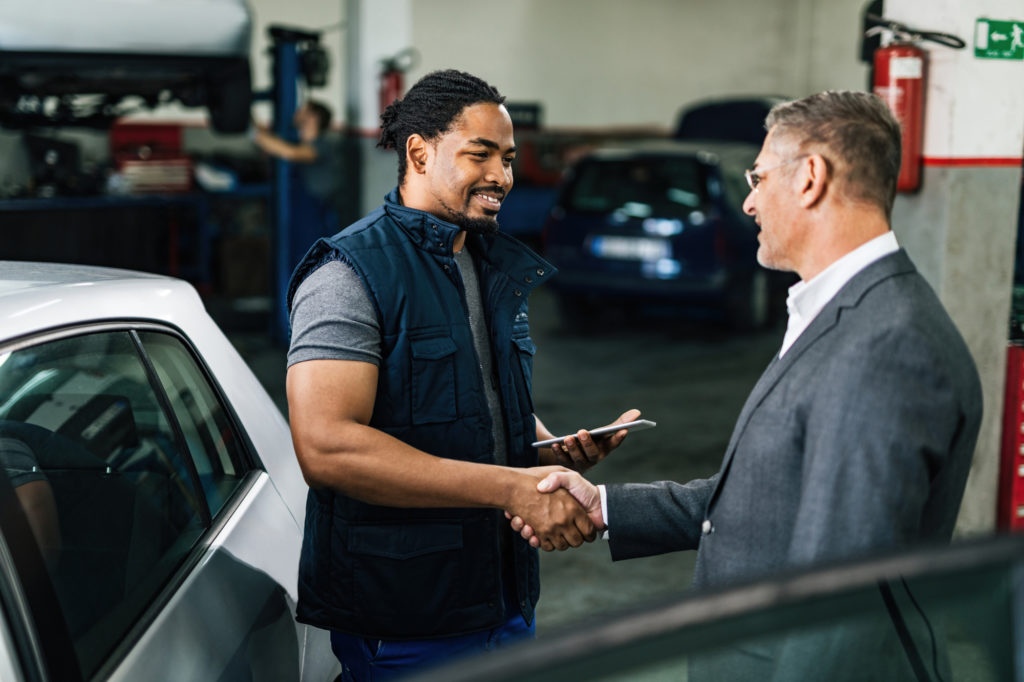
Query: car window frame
{"x": 740, "y": 608}
{"x": 34, "y": 614}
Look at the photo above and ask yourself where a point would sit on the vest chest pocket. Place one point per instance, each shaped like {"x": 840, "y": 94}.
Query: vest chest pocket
{"x": 433, "y": 380}
{"x": 523, "y": 352}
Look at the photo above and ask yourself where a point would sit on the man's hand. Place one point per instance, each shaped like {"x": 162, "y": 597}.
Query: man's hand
{"x": 582, "y": 451}
{"x": 556, "y": 520}
{"x": 558, "y": 481}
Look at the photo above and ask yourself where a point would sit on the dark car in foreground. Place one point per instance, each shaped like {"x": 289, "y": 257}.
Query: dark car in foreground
{"x": 659, "y": 222}
{"x": 949, "y": 613}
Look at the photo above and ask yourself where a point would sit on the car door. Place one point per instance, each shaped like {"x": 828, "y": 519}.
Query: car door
{"x": 143, "y": 539}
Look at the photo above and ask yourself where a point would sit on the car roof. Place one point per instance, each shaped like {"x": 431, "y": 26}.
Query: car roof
{"x": 740, "y": 118}
{"x": 708, "y": 151}
{"x": 39, "y": 296}
{"x": 202, "y": 27}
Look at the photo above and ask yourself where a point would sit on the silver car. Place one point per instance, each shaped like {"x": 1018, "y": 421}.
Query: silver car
{"x": 151, "y": 506}
{"x": 88, "y": 62}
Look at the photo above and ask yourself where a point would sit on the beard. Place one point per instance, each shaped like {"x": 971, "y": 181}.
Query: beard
{"x": 485, "y": 225}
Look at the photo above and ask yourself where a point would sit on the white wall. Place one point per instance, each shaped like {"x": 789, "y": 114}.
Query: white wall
{"x": 591, "y": 63}
{"x": 313, "y": 15}
{"x": 597, "y": 63}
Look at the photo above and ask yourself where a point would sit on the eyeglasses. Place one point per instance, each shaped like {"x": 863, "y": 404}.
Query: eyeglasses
{"x": 754, "y": 177}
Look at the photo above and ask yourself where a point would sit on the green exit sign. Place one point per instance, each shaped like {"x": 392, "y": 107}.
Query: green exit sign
{"x": 999, "y": 39}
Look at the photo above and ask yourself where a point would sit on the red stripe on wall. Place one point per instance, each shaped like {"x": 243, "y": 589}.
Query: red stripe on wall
{"x": 980, "y": 161}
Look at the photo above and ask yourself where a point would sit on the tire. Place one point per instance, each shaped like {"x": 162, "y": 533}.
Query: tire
{"x": 748, "y": 304}
{"x": 229, "y": 99}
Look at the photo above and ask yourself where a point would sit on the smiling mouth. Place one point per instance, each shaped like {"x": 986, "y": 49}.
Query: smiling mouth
{"x": 489, "y": 199}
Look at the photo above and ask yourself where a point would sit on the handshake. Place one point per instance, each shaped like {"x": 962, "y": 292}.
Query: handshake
{"x": 562, "y": 511}
{"x": 554, "y": 507}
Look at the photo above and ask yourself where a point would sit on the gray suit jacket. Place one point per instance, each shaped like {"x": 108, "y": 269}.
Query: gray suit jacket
{"x": 858, "y": 440}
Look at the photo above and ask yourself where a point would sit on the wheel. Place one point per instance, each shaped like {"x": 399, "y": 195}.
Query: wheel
{"x": 229, "y": 99}
{"x": 748, "y": 304}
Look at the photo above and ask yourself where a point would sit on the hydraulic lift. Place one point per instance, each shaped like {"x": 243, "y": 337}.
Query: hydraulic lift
{"x": 297, "y": 54}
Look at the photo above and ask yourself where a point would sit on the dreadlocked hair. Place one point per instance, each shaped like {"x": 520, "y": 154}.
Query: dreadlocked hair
{"x": 429, "y": 109}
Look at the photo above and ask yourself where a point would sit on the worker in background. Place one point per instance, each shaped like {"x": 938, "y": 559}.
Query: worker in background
{"x": 316, "y": 157}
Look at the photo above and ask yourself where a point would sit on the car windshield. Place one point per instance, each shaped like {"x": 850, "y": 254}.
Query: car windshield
{"x": 735, "y": 185}
{"x": 642, "y": 187}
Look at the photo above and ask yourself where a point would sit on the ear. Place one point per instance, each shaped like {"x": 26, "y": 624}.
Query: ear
{"x": 813, "y": 177}
{"x": 417, "y": 152}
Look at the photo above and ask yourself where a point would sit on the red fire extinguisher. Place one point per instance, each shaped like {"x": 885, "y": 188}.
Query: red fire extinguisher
{"x": 392, "y": 76}
{"x": 900, "y": 67}
{"x": 899, "y": 80}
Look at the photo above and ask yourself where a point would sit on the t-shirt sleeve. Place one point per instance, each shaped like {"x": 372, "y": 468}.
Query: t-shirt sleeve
{"x": 333, "y": 318}
{"x": 18, "y": 462}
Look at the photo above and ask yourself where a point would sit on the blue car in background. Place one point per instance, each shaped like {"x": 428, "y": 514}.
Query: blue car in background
{"x": 656, "y": 223}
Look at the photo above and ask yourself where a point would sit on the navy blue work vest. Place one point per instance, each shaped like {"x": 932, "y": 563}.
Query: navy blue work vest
{"x": 394, "y": 573}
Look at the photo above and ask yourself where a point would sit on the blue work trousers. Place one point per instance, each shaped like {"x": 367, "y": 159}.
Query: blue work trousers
{"x": 375, "y": 660}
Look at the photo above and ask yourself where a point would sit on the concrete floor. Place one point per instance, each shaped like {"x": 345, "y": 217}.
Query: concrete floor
{"x": 690, "y": 376}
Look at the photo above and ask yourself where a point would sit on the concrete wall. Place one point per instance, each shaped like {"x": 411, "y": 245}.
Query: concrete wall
{"x": 614, "y": 63}
{"x": 961, "y": 227}
{"x": 610, "y": 64}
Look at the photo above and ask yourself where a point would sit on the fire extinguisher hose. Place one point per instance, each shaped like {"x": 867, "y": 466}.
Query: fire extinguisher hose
{"x": 905, "y": 33}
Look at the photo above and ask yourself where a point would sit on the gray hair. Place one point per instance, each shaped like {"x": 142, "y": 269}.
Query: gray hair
{"x": 858, "y": 129}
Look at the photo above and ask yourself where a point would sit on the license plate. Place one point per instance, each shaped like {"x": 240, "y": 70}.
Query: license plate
{"x": 630, "y": 248}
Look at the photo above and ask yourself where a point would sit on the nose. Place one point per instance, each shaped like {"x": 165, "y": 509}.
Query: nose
{"x": 748, "y": 203}
{"x": 498, "y": 173}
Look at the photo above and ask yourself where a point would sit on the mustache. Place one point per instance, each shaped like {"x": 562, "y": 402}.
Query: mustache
{"x": 495, "y": 189}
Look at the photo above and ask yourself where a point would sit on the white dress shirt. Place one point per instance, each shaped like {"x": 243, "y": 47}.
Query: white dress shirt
{"x": 806, "y": 299}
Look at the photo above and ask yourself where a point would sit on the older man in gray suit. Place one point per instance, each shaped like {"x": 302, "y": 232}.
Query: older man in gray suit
{"x": 858, "y": 437}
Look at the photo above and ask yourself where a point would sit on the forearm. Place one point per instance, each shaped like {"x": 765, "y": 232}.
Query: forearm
{"x": 655, "y": 518}
{"x": 371, "y": 466}
{"x": 330, "y": 405}
{"x": 545, "y": 456}
{"x": 275, "y": 146}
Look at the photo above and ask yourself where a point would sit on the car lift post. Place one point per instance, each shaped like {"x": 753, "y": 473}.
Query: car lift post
{"x": 290, "y": 240}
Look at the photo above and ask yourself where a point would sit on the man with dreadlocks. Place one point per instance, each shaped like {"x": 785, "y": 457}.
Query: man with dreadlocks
{"x": 409, "y": 400}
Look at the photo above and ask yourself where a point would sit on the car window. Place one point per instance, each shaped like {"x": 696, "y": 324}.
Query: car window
{"x": 212, "y": 442}
{"x": 898, "y": 629}
{"x": 735, "y": 185}
{"x": 950, "y": 613}
{"x": 118, "y": 470}
{"x": 643, "y": 187}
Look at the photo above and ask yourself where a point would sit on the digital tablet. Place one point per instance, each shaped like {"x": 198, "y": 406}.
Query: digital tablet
{"x": 637, "y": 425}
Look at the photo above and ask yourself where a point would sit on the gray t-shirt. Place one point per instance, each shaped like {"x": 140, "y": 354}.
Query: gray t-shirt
{"x": 333, "y": 318}
{"x": 323, "y": 178}
{"x": 19, "y": 462}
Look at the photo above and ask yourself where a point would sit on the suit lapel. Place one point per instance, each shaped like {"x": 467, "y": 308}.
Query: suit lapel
{"x": 824, "y": 323}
